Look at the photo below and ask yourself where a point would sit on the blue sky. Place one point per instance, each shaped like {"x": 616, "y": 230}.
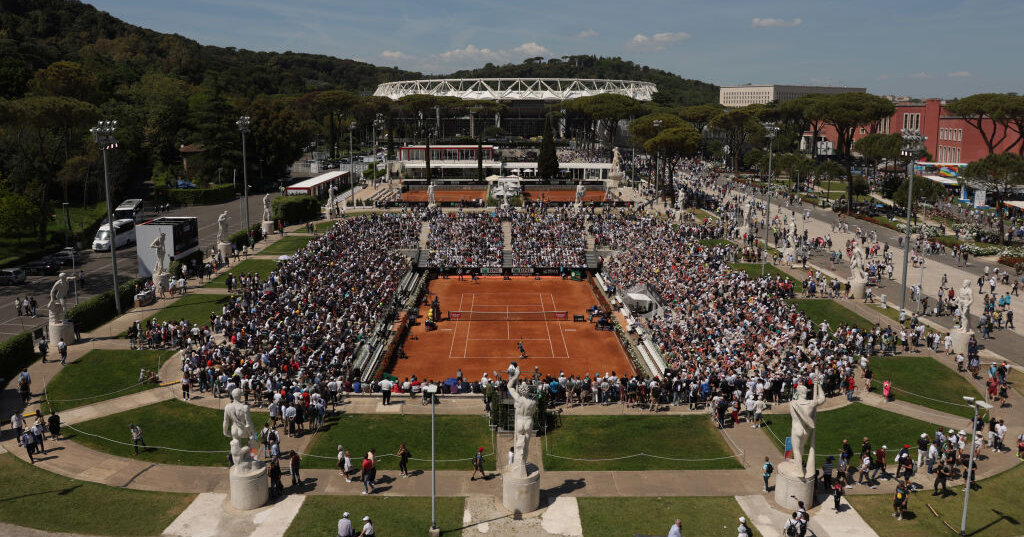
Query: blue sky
{"x": 934, "y": 48}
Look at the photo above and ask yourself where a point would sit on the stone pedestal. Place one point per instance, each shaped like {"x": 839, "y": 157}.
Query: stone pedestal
{"x": 249, "y": 490}
{"x": 522, "y": 494}
{"x": 330, "y": 212}
{"x": 161, "y": 281}
{"x": 57, "y": 331}
{"x": 960, "y": 339}
{"x": 791, "y": 486}
{"x": 857, "y": 289}
{"x": 268, "y": 227}
{"x": 225, "y": 250}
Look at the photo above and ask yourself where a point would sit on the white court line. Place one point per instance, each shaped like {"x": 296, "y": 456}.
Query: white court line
{"x": 554, "y": 307}
{"x": 465, "y": 349}
{"x": 511, "y": 357}
{"x": 550, "y": 343}
{"x": 508, "y": 339}
{"x": 508, "y": 325}
{"x": 452, "y": 348}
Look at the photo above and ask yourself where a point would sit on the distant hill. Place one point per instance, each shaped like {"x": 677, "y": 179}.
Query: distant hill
{"x": 672, "y": 89}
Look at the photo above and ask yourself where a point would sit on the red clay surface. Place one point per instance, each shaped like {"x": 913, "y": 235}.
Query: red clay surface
{"x": 444, "y": 195}
{"x": 562, "y": 196}
{"x": 487, "y": 346}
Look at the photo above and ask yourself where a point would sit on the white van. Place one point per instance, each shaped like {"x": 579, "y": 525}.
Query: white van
{"x": 124, "y": 234}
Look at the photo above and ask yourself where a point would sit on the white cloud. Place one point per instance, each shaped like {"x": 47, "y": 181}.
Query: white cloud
{"x": 472, "y": 53}
{"x": 395, "y": 55}
{"x": 587, "y": 34}
{"x": 770, "y": 22}
{"x": 657, "y": 41}
{"x": 922, "y": 74}
{"x": 531, "y": 49}
{"x": 959, "y": 74}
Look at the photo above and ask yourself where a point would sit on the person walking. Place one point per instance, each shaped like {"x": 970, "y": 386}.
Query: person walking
{"x": 44, "y": 348}
{"x": 403, "y": 460}
{"x": 53, "y": 422}
{"x": 386, "y": 385}
{"x": 766, "y": 472}
{"x": 29, "y": 441}
{"x": 295, "y": 466}
{"x": 276, "y": 487}
{"x": 941, "y": 475}
{"x": 366, "y": 475}
{"x": 62, "y": 349}
{"x": 478, "y": 465}
{"x": 17, "y": 425}
{"x": 39, "y": 433}
{"x": 136, "y": 433}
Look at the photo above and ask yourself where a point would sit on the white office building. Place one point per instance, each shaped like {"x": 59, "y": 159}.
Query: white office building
{"x": 747, "y": 94}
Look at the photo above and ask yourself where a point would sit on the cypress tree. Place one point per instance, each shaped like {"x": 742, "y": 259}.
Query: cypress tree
{"x": 547, "y": 159}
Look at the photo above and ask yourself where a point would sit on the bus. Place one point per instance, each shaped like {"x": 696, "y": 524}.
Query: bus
{"x": 129, "y": 210}
{"x": 124, "y": 234}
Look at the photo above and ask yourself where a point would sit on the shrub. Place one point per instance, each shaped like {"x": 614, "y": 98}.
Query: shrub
{"x": 175, "y": 268}
{"x": 195, "y": 196}
{"x": 101, "y": 308}
{"x": 295, "y": 209}
{"x": 16, "y": 353}
{"x": 240, "y": 239}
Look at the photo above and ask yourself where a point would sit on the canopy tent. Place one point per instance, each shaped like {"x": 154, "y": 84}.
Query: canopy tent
{"x": 946, "y": 181}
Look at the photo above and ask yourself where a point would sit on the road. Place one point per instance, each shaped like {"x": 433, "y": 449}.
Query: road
{"x": 97, "y": 265}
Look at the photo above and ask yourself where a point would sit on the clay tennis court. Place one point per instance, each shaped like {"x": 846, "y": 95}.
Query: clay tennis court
{"x": 445, "y": 195}
{"x": 562, "y": 196}
{"x": 476, "y": 346}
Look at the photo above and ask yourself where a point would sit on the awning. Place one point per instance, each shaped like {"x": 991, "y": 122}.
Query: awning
{"x": 1015, "y": 204}
{"x": 942, "y": 180}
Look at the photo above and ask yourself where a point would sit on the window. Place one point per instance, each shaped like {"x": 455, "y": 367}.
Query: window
{"x": 959, "y": 135}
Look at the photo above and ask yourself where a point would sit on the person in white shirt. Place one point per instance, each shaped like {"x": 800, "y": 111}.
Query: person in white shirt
{"x": 367, "y": 527}
{"x": 344, "y": 526}
{"x": 676, "y": 530}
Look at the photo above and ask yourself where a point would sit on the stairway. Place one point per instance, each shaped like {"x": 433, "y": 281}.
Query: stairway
{"x": 506, "y": 235}
{"x": 424, "y": 259}
{"x": 506, "y": 259}
{"x": 591, "y": 258}
{"x": 424, "y": 233}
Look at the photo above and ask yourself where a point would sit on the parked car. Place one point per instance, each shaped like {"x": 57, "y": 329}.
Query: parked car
{"x": 42, "y": 267}
{"x": 67, "y": 256}
{"x": 12, "y": 276}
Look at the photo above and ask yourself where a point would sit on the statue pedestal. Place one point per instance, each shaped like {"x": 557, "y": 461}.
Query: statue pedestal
{"x": 521, "y": 494}
{"x": 789, "y": 256}
{"x": 857, "y": 289}
{"x": 268, "y": 227}
{"x": 329, "y": 212}
{"x": 249, "y": 490}
{"x": 225, "y": 250}
{"x": 960, "y": 339}
{"x": 791, "y": 486}
{"x": 57, "y": 331}
{"x": 160, "y": 281}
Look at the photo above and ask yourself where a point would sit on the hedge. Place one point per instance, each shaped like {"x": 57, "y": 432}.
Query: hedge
{"x": 295, "y": 209}
{"x": 195, "y": 196}
{"x": 175, "y": 268}
{"x": 101, "y": 308}
{"x": 240, "y": 239}
{"x": 16, "y": 353}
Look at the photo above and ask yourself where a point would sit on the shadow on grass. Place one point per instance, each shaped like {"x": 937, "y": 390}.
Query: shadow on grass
{"x": 999, "y": 518}
{"x": 59, "y": 492}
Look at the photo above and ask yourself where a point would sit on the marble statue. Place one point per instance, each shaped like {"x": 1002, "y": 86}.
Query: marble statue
{"x": 857, "y": 272}
{"x": 222, "y": 227}
{"x": 580, "y": 192}
{"x": 616, "y": 161}
{"x": 238, "y": 426}
{"x": 267, "y": 217}
{"x": 791, "y": 233}
{"x": 57, "y": 306}
{"x": 804, "y": 414}
{"x": 525, "y": 407}
{"x": 430, "y": 195}
{"x": 964, "y": 299}
{"x": 160, "y": 245}
{"x": 330, "y": 197}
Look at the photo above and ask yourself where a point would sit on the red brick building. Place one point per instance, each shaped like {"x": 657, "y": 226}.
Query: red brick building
{"x": 950, "y": 138}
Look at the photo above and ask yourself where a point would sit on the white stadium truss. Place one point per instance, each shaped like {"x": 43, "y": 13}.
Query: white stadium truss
{"x": 517, "y": 89}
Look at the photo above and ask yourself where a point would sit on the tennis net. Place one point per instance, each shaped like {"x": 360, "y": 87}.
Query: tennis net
{"x": 508, "y": 315}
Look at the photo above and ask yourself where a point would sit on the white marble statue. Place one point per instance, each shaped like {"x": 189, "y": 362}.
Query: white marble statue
{"x": 804, "y": 414}
{"x": 238, "y": 426}
{"x": 791, "y": 233}
{"x": 160, "y": 245}
{"x": 525, "y": 407}
{"x": 330, "y": 197}
{"x": 267, "y": 217}
{"x": 222, "y": 227}
{"x": 857, "y": 272}
{"x": 430, "y": 195}
{"x": 616, "y": 161}
{"x": 57, "y": 306}
{"x": 580, "y": 192}
{"x": 964, "y": 299}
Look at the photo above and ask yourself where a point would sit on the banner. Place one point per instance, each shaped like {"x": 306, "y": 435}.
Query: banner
{"x": 454, "y": 316}
{"x": 789, "y": 448}
{"x": 522, "y": 270}
{"x": 490, "y": 270}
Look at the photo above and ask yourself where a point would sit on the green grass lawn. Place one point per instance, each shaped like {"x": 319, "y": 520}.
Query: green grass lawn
{"x": 12, "y": 247}
{"x": 706, "y": 516}
{"x": 194, "y": 307}
{"x": 826, "y": 309}
{"x": 608, "y": 437}
{"x": 994, "y": 511}
{"x": 701, "y": 213}
{"x": 458, "y": 437}
{"x": 1016, "y": 379}
{"x": 890, "y": 312}
{"x": 172, "y": 424}
{"x": 261, "y": 266}
{"x": 393, "y": 516}
{"x": 716, "y": 242}
{"x": 937, "y": 386}
{"x": 287, "y": 245}
{"x": 100, "y": 375}
{"x": 754, "y": 271}
{"x": 39, "y": 499}
{"x": 853, "y": 422}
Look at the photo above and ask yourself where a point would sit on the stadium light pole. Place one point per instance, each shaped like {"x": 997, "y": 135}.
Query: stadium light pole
{"x": 431, "y": 391}
{"x": 351, "y": 163}
{"x": 970, "y": 466}
{"x": 378, "y": 121}
{"x": 243, "y": 127}
{"x": 911, "y": 143}
{"x": 103, "y": 135}
{"x": 770, "y": 131}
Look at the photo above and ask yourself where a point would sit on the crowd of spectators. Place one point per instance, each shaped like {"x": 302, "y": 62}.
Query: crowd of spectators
{"x": 462, "y": 239}
{"x": 548, "y": 238}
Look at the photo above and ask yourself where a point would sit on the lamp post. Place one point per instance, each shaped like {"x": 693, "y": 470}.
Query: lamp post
{"x": 431, "y": 393}
{"x": 911, "y": 143}
{"x": 770, "y": 131}
{"x": 378, "y": 121}
{"x": 657, "y": 173}
{"x": 103, "y": 135}
{"x": 970, "y": 466}
{"x": 351, "y": 162}
{"x": 243, "y": 126}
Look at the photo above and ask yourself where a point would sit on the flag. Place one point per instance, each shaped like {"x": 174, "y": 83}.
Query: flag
{"x": 789, "y": 448}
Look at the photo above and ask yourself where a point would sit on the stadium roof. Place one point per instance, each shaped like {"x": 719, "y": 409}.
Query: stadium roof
{"x": 517, "y": 89}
